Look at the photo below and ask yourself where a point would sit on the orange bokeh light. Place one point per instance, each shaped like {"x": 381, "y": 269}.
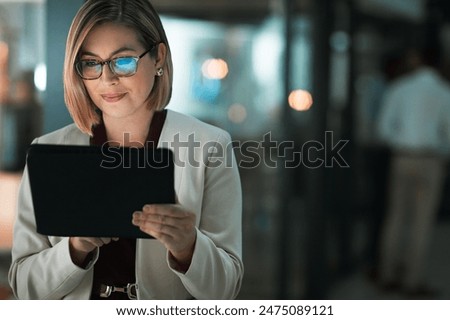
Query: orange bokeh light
{"x": 300, "y": 100}
{"x": 215, "y": 69}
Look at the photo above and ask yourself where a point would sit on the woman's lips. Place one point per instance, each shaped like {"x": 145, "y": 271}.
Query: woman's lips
{"x": 112, "y": 97}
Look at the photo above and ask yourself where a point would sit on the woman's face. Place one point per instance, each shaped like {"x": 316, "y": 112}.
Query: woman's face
{"x": 119, "y": 97}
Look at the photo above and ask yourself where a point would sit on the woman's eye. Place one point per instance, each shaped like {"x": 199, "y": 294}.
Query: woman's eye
{"x": 90, "y": 63}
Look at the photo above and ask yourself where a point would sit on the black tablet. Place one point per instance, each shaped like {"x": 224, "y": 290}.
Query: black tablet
{"x": 92, "y": 191}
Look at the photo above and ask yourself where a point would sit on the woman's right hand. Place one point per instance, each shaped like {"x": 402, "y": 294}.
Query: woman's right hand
{"x": 80, "y": 247}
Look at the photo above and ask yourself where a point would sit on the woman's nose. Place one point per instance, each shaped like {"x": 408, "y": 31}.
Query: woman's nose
{"x": 108, "y": 76}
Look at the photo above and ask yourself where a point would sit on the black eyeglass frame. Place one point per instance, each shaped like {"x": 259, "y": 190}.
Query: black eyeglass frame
{"x": 109, "y": 63}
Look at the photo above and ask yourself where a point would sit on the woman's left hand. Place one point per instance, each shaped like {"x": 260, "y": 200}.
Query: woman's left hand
{"x": 173, "y": 226}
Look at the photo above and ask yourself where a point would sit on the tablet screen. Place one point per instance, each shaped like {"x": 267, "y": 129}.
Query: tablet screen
{"x": 92, "y": 191}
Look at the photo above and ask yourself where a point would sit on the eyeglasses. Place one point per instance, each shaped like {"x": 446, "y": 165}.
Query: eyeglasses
{"x": 90, "y": 69}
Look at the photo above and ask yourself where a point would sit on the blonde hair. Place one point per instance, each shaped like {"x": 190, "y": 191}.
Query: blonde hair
{"x": 136, "y": 14}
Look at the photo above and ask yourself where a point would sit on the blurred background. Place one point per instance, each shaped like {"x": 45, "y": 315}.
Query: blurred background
{"x": 314, "y": 178}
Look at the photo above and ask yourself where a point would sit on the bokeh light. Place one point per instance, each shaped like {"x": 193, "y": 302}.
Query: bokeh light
{"x": 40, "y": 77}
{"x": 215, "y": 69}
{"x": 300, "y": 100}
{"x": 237, "y": 113}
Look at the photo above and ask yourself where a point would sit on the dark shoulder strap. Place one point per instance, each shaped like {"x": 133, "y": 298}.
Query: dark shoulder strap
{"x": 159, "y": 117}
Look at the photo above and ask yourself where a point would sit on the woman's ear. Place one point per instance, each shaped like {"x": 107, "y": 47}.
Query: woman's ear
{"x": 161, "y": 56}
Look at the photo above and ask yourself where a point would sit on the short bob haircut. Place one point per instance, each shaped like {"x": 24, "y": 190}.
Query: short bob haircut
{"x": 136, "y": 14}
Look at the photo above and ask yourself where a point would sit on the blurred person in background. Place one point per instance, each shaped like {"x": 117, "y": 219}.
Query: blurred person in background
{"x": 375, "y": 155}
{"x": 415, "y": 124}
{"x": 22, "y": 122}
{"x": 117, "y": 81}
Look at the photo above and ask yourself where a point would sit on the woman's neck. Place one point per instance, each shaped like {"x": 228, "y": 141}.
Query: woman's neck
{"x": 128, "y": 132}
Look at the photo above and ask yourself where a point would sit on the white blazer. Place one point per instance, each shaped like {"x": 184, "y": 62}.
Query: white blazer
{"x": 206, "y": 182}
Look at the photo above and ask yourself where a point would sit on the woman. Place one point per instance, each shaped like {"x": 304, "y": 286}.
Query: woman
{"x": 117, "y": 81}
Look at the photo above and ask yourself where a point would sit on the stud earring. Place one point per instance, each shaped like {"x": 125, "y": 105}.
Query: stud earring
{"x": 159, "y": 72}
